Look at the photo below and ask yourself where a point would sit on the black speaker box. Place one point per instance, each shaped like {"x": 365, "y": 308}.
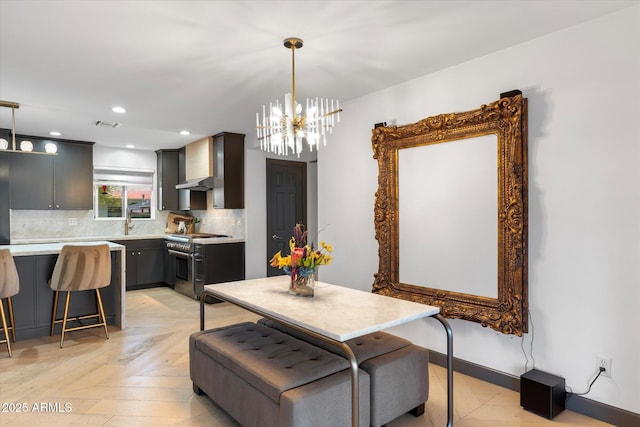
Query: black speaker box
{"x": 542, "y": 393}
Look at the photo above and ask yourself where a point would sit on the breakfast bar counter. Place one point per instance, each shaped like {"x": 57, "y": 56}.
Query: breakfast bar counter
{"x": 33, "y": 304}
{"x": 53, "y": 247}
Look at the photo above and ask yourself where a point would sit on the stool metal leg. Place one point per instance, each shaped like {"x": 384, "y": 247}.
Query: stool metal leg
{"x": 13, "y": 322}
{"x": 4, "y": 328}
{"x": 101, "y": 311}
{"x": 64, "y": 319}
{"x": 55, "y": 309}
{"x": 100, "y": 316}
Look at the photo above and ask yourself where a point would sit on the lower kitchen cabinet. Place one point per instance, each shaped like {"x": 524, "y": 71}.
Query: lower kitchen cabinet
{"x": 145, "y": 263}
{"x": 222, "y": 262}
{"x": 33, "y": 304}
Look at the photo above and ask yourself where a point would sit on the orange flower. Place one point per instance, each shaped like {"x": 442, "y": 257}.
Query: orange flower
{"x": 296, "y": 254}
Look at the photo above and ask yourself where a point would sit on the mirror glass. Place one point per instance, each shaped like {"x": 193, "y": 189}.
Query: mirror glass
{"x": 447, "y": 198}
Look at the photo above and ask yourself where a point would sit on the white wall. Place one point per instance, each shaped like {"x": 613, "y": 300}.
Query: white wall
{"x": 583, "y": 86}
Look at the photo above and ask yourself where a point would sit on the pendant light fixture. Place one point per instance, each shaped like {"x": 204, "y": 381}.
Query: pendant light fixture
{"x": 285, "y": 127}
{"x": 25, "y": 146}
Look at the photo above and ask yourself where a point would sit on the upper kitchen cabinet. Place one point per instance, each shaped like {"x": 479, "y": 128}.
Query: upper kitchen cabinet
{"x": 167, "y": 179}
{"x": 228, "y": 170}
{"x": 171, "y": 171}
{"x": 73, "y": 176}
{"x": 62, "y": 181}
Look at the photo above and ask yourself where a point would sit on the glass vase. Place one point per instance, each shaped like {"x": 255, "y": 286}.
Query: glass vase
{"x": 302, "y": 286}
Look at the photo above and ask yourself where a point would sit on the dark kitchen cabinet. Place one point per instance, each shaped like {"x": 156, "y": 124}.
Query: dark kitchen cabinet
{"x": 228, "y": 170}
{"x": 31, "y": 181}
{"x": 167, "y": 179}
{"x": 73, "y": 176}
{"x": 145, "y": 263}
{"x": 62, "y": 181}
{"x": 171, "y": 172}
{"x": 222, "y": 262}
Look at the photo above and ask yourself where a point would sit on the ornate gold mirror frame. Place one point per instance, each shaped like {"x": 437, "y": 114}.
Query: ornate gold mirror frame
{"x": 506, "y": 119}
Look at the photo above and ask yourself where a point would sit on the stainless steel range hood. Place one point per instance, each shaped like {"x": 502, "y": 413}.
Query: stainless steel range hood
{"x": 199, "y": 184}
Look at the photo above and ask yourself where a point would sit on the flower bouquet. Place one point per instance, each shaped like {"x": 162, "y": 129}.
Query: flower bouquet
{"x": 303, "y": 261}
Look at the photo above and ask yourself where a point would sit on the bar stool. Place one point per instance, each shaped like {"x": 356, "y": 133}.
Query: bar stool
{"x": 80, "y": 268}
{"x": 9, "y": 286}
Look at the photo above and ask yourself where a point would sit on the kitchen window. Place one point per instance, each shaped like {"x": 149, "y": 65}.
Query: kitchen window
{"x": 118, "y": 193}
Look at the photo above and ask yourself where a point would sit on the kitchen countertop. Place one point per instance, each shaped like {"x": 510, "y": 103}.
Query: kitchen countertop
{"x": 87, "y": 239}
{"x": 217, "y": 240}
{"x": 53, "y": 248}
{"x": 116, "y": 238}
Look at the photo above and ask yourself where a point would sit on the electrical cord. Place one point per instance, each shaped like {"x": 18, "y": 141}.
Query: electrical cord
{"x": 526, "y": 364}
{"x": 532, "y": 337}
{"x": 570, "y": 393}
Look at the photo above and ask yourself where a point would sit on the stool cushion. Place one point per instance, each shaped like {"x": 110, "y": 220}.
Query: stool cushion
{"x": 79, "y": 268}
{"x": 9, "y": 281}
{"x": 269, "y": 360}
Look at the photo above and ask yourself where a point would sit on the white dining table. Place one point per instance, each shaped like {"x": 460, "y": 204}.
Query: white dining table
{"x": 335, "y": 315}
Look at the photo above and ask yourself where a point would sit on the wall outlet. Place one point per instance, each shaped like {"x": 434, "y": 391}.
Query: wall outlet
{"x": 73, "y": 221}
{"x": 606, "y": 364}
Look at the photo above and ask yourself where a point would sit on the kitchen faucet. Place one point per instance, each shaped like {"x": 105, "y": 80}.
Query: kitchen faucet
{"x": 127, "y": 223}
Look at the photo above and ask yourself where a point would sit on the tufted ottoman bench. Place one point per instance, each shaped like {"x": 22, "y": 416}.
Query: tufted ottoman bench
{"x": 263, "y": 377}
{"x": 398, "y": 371}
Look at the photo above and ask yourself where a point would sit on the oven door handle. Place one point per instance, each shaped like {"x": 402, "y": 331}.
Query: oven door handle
{"x": 180, "y": 254}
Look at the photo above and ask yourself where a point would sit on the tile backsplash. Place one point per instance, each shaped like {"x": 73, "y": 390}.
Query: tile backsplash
{"x": 52, "y": 224}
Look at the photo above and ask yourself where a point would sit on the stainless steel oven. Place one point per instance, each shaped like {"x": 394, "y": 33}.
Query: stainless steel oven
{"x": 183, "y": 268}
{"x": 188, "y": 261}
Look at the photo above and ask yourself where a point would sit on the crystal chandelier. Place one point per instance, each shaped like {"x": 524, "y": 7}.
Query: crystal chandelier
{"x": 282, "y": 132}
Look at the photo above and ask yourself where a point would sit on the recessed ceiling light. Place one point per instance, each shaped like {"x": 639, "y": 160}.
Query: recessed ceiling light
{"x": 54, "y": 133}
{"x": 185, "y": 132}
{"x": 130, "y": 146}
{"x": 119, "y": 110}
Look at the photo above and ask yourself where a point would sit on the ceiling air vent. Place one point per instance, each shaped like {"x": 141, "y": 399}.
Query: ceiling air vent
{"x": 103, "y": 124}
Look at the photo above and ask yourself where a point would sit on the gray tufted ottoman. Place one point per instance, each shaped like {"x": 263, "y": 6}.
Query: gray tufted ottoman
{"x": 263, "y": 377}
{"x": 398, "y": 371}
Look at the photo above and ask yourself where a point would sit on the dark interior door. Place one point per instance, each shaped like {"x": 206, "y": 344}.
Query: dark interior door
{"x": 286, "y": 205}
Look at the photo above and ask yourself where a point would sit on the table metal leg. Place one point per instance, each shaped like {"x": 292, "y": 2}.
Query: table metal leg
{"x": 447, "y": 328}
{"x": 355, "y": 385}
{"x": 203, "y": 296}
